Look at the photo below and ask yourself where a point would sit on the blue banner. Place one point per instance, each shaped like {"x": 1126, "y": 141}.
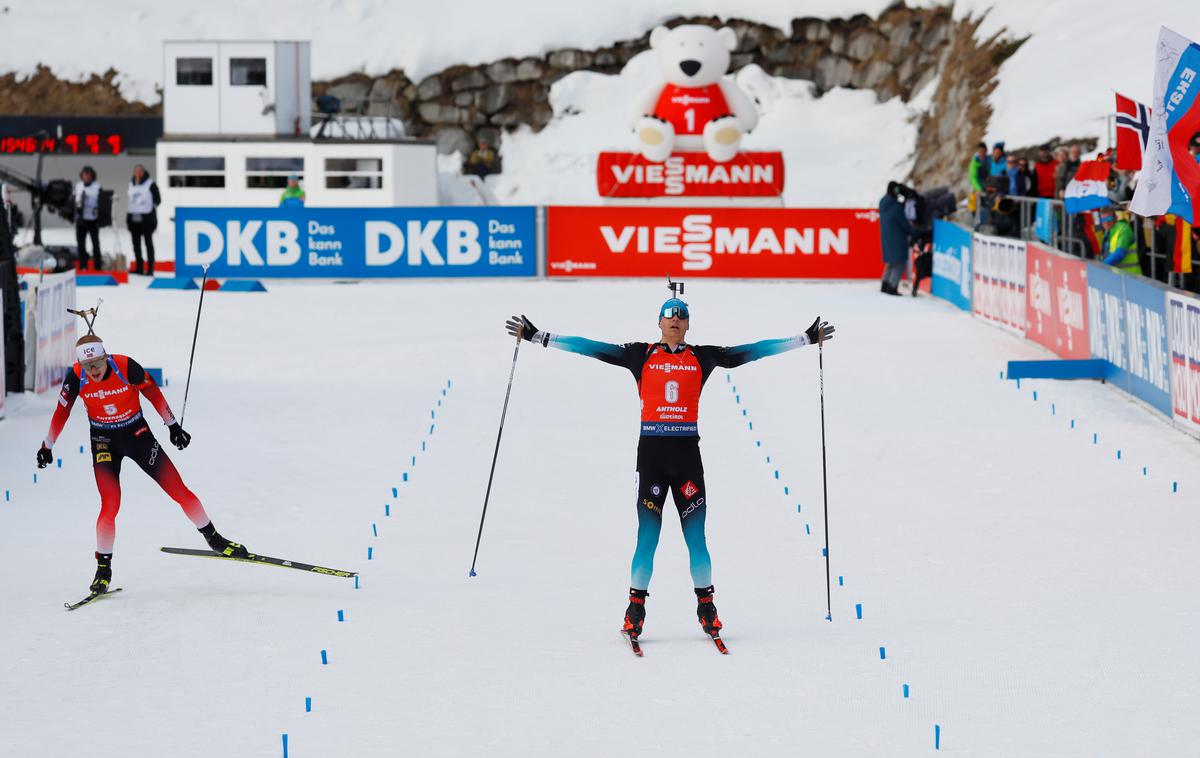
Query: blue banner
{"x": 952, "y": 264}
{"x": 1044, "y": 221}
{"x": 1106, "y": 320}
{"x": 356, "y": 243}
{"x": 1146, "y": 341}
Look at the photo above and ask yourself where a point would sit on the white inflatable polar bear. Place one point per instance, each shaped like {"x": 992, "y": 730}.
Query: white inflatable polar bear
{"x": 696, "y": 108}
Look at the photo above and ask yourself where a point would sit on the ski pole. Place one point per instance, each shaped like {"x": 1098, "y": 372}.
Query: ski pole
{"x": 195, "y": 334}
{"x": 824, "y": 474}
{"x": 496, "y": 453}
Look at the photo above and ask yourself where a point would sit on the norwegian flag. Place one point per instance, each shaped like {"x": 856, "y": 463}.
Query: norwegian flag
{"x": 1133, "y": 132}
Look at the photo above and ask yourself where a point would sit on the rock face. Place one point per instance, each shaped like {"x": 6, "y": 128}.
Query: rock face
{"x": 896, "y": 54}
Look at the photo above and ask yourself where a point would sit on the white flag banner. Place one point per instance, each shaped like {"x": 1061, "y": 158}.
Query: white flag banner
{"x": 1170, "y": 176}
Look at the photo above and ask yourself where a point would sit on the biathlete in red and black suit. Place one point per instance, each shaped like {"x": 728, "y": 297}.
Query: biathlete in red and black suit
{"x": 110, "y": 387}
{"x": 670, "y": 375}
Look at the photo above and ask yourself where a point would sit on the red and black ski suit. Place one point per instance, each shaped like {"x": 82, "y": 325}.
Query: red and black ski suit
{"x": 119, "y": 431}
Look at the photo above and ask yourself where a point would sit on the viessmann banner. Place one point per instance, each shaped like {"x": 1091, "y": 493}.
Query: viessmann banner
{"x": 768, "y": 243}
{"x": 356, "y": 242}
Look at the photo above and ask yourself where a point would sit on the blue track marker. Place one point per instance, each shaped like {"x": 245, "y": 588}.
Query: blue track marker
{"x": 414, "y": 460}
{"x": 324, "y": 658}
{"x": 906, "y": 690}
{"x": 1174, "y": 486}
{"x": 35, "y": 478}
{"x": 1072, "y": 423}
{"x": 285, "y": 753}
{"x": 1051, "y": 409}
{"x": 728, "y": 378}
{"x": 356, "y": 581}
{"x": 1018, "y": 384}
{"x": 1001, "y": 376}
{"x": 439, "y": 403}
{"x": 858, "y": 614}
{"x": 81, "y": 449}
{"x": 422, "y": 446}
{"x": 404, "y": 476}
{"x": 841, "y": 581}
{"x": 1035, "y": 396}
{"x": 431, "y": 428}
{"x": 387, "y": 509}
{"x": 1143, "y": 470}
{"x": 776, "y": 473}
{"x": 882, "y": 654}
{"x": 7, "y": 496}
{"x": 1118, "y": 455}
{"x": 751, "y": 423}
{"x": 822, "y": 552}
{"x": 743, "y": 412}
{"x": 60, "y": 462}
{"x": 370, "y": 550}
{"x": 737, "y": 399}
{"x": 768, "y": 459}
{"x": 308, "y": 705}
{"x": 395, "y": 492}
{"x": 432, "y": 413}
{"x": 758, "y": 443}
{"x": 807, "y": 530}
{"x": 341, "y": 615}
{"x": 785, "y": 490}
{"x": 374, "y": 529}
{"x": 937, "y": 737}
{"x": 1095, "y": 438}
{"x": 797, "y": 507}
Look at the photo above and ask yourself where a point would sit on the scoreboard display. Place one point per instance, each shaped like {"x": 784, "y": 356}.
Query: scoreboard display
{"x": 67, "y": 144}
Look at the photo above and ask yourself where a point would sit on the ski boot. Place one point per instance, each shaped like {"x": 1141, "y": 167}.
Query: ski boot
{"x": 707, "y": 612}
{"x": 103, "y": 572}
{"x": 222, "y": 546}
{"x": 635, "y": 614}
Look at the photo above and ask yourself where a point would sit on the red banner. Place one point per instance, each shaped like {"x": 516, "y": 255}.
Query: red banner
{"x": 690, "y": 175}
{"x": 762, "y": 243}
{"x": 1056, "y": 310}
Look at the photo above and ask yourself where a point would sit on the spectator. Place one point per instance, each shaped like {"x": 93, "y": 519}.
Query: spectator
{"x": 895, "y": 233}
{"x": 87, "y": 217}
{"x": 1194, "y": 146}
{"x": 142, "y": 219}
{"x": 977, "y": 173}
{"x": 1018, "y": 182}
{"x": 293, "y": 194}
{"x": 482, "y": 160}
{"x": 1043, "y": 170}
{"x": 1066, "y": 170}
{"x": 999, "y": 164}
{"x": 1119, "y": 247}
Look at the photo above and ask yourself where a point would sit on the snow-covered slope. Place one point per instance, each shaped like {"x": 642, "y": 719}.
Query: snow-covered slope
{"x": 1035, "y": 592}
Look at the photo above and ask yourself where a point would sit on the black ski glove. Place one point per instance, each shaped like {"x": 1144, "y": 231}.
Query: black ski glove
{"x": 44, "y": 456}
{"x": 179, "y": 438}
{"x": 522, "y": 326}
{"x": 819, "y": 331}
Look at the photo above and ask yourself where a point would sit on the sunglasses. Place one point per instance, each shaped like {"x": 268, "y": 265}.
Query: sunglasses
{"x": 675, "y": 310}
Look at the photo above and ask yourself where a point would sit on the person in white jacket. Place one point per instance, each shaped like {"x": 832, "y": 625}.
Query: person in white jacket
{"x": 142, "y": 219}
{"x": 87, "y": 217}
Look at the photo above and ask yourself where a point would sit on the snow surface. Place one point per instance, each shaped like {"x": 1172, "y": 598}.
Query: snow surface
{"x": 1037, "y": 594}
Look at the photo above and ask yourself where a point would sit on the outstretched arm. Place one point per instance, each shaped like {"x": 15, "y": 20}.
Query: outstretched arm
{"x": 617, "y": 355}
{"x": 732, "y": 357}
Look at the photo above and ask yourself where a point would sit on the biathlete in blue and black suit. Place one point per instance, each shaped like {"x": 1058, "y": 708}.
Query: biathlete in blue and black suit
{"x": 670, "y": 374}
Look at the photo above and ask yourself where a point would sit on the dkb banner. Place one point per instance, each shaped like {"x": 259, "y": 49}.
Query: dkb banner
{"x": 952, "y": 263}
{"x": 1106, "y": 320}
{"x": 1146, "y": 339}
{"x": 357, "y": 243}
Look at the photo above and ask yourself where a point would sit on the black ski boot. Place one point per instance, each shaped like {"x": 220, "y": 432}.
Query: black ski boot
{"x": 635, "y": 614}
{"x": 103, "y": 572}
{"x": 706, "y": 611}
{"x": 222, "y": 546}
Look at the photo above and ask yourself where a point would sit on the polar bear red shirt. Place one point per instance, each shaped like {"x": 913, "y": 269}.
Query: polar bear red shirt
{"x": 688, "y": 109}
